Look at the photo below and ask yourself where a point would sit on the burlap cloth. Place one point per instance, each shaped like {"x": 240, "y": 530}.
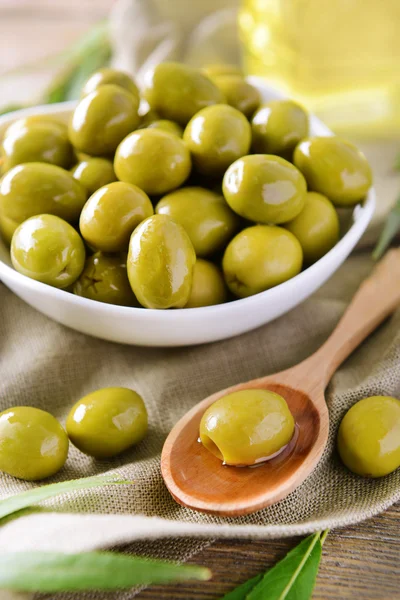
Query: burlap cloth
{"x": 44, "y": 364}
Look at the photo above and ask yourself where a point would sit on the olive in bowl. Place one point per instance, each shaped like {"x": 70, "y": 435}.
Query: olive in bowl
{"x": 111, "y": 214}
{"x": 177, "y": 91}
{"x": 335, "y": 168}
{"x": 48, "y": 249}
{"x": 217, "y": 136}
{"x": 154, "y": 160}
{"x": 160, "y": 263}
{"x": 102, "y": 119}
{"x": 205, "y": 216}
{"x": 264, "y": 188}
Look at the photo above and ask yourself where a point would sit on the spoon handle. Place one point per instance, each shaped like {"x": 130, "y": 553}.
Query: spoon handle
{"x": 376, "y": 298}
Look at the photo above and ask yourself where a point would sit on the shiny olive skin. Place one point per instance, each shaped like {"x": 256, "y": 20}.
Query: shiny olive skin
{"x": 259, "y": 258}
{"x": 107, "y": 422}
{"x": 335, "y": 168}
{"x": 102, "y": 119}
{"x": 37, "y": 142}
{"x": 278, "y": 126}
{"x": 265, "y": 189}
{"x": 205, "y": 216}
{"x": 220, "y": 69}
{"x": 93, "y": 173}
{"x": 168, "y": 126}
{"x": 369, "y": 437}
{"x": 177, "y": 91}
{"x": 33, "y": 445}
{"x": 208, "y": 285}
{"x": 316, "y": 227}
{"x": 217, "y": 136}
{"x": 48, "y": 249}
{"x": 105, "y": 279}
{"x": 247, "y": 427}
{"x": 154, "y": 160}
{"x": 160, "y": 263}
{"x": 37, "y": 188}
{"x": 106, "y": 76}
{"x": 111, "y": 214}
{"x": 238, "y": 93}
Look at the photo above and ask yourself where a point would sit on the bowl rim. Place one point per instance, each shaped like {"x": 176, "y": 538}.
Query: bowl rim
{"x": 361, "y": 215}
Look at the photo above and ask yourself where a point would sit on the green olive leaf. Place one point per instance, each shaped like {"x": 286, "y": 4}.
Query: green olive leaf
{"x": 13, "y": 504}
{"x": 390, "y": 229}
{"x": 293, "y": 578}
{"x": 56, "y": 572}
{"x": 240, "y": 593}
{"x": 91, "y": 53}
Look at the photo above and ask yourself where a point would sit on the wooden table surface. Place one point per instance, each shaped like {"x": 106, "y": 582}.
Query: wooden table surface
{"x": 362, "y": 561}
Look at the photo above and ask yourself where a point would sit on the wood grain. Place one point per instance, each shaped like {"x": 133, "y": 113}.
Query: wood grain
{"x": 361, "y": 561}
{"x": 358, "y": 562}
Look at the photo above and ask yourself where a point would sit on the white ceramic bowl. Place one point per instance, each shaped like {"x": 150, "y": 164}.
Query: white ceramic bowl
{"x": 180, "y": 327}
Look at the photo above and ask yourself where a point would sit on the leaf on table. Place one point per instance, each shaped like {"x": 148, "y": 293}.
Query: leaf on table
{"x": 293, "y": 578}
{"x": 240, "y": 593}
{"x": 56, "y": 572}
{"x": 389, "y": 232}
{"x": 38, "y": 494}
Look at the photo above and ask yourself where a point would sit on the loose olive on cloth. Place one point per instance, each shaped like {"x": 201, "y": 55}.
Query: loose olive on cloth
{"x": 61, "y": 366}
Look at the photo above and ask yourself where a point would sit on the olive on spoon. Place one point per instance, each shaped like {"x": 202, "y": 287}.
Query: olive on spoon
{"x": 198, "y": 480}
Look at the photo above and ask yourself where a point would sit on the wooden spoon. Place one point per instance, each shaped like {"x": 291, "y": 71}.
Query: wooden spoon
{"x": 198, "y": 480}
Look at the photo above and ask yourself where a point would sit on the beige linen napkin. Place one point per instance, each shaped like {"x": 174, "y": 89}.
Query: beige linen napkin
{"x": 46, "y": 365}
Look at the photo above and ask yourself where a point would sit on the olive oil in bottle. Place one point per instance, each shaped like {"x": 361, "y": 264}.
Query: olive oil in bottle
{"x": 340, "y": 58}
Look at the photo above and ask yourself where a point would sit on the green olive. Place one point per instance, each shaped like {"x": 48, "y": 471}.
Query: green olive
{"x": 102, "y": 119}
{"x": 107, "y": 422}
{"x": 316, "y": 227}
{"x": 217, "y": 136}
{"x": 33, "y": 445}
{"x": 208, "y": 286}
{"x": 168, "y": 126}
{"x": 205, "y": 216}
{"x": 105, "y": 279}
{"x": 259, "y": 258}
{"x": 177, "y": 91}
{"x": 37, "y": 188}
{"x": 247, "y": 427}
{"x": 154, "y": 160}
{"x": 369, "y": 436}
{"x": 335, "y": 168}
{"x": 26, "y": 122}
{"x": 37, "y": 142}
{"x": 218, "y": 69}
{"x": 93, "y": 173}
{"x": 160, "y": 263}
{"x": 111, "y": 214}
{"x": 278, "y": 127}
{"x": 48, "y": 249}
{"x": 265, "y": 189}
{"x": 239, "y": 93}
{"x": 106, "y": 76}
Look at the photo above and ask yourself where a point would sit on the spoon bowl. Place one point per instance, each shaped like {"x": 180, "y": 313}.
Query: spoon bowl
{"x": 198, "y": 480}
